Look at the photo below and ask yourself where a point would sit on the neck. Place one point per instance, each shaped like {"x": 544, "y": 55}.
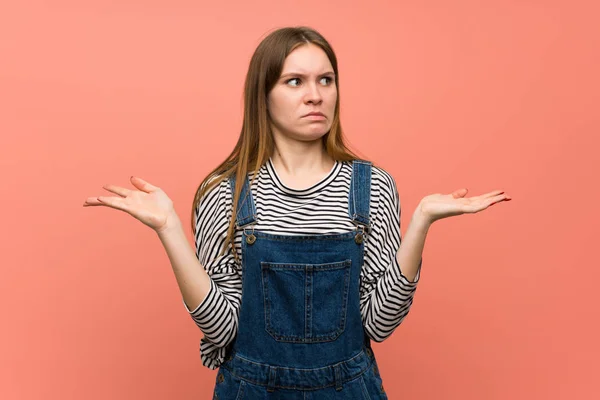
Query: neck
{"x": 302, "y": 164}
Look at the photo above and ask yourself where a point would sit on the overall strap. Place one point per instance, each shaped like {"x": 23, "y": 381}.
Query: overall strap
{"x": 246, "y": 212}
{"x": 359, "y": 195}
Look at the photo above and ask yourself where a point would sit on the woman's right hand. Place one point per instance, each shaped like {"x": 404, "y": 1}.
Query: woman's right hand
{"x": 149, "y": 204}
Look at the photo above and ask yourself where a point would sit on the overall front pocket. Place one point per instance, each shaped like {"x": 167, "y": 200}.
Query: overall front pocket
{"x": 305, "y": 303}
{"x": 227, "y": 386}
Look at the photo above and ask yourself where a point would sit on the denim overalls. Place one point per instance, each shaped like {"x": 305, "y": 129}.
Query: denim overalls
{"x": 300, "y": 333}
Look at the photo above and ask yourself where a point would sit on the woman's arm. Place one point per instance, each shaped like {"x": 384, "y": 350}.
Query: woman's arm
{"x": 386, "y": 293}
{"x": 209, "y": 281}
{"x": 193, "y": 280}
{"x": 410, "y": 254}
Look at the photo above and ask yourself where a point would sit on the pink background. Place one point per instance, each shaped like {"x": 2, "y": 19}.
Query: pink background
{"x": 443, "y": 95}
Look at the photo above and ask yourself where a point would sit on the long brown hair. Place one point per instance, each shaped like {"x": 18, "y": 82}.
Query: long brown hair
{"x": 255, "y": 144}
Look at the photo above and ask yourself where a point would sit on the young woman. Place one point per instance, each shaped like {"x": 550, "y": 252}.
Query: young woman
{"x": 298, "y": 263}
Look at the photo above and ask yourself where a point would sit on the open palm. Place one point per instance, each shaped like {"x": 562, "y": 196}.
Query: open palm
{"x": 149, "y": 204}
{"x": 438, "y": 206}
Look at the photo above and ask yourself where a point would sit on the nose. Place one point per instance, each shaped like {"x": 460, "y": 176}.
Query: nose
{"x": 313, "y": 94}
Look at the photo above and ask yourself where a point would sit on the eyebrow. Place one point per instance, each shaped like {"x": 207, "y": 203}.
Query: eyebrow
{"x": 304, "y": 76}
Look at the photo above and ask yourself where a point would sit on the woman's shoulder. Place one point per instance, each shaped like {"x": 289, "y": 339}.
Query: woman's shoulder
{"x": 380, "y": 176}
{"x": 383, "y": 176}
{"x": 213, "y": 186}
{"x": 215, "y": 194}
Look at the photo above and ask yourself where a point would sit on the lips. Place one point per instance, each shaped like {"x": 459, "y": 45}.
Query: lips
{"x": 315, "y": 113}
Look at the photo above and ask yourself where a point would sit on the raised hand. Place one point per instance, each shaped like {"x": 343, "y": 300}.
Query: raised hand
{"x": 438, "y": 206}
{"x": 149, "y": 204}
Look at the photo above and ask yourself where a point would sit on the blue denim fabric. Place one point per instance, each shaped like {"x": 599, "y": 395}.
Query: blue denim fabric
{"x": 300, "y": 333}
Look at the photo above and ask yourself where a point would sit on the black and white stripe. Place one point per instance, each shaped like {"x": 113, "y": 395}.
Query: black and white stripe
{"x": 386, "y": 295}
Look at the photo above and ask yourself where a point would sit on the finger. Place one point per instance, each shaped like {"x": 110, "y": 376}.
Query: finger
{"x": 460, "y": 193}
{"x": 498, "y": 199}
{"x": 92, "y": 201}
{"x": 492, "y": 194}
{"x": 113, "y": 202}
{"x": 121, "y": 191}
{"x": 143, "y": 185}
{"x": 486, "y": 196}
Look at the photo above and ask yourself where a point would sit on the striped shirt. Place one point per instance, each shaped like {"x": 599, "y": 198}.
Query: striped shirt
{"x": 385, "y": 294}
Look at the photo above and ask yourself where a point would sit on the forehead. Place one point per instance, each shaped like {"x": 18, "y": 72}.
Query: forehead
{"x": 307, "y": 58}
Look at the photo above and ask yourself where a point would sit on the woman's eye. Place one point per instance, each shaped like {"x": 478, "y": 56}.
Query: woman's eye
{"x": 327, "y": 80}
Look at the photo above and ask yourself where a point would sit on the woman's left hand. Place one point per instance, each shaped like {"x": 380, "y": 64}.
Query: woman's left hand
{"x": 438, "y": 206}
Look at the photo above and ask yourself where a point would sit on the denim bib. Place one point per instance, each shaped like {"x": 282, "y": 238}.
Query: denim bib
{"x": 300, "y": 332}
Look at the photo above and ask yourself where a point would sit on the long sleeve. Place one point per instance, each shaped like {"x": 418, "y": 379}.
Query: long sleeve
{"x": 386, "y": 294}
{"x": 217, "y": 315}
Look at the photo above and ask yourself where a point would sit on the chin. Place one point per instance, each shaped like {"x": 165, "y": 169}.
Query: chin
{"x": 313, "y": 136}
{"x": 306, "y": 133}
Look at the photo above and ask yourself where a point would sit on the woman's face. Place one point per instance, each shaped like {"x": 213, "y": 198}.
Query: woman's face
{"x": 306, "y": 85}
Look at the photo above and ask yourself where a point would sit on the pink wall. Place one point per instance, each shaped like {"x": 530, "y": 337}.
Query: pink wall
{"x": 444, "y": 95}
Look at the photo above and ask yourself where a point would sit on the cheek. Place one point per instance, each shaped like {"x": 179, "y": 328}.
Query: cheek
{"x": 280, "y": 107}
{"x": 332, "y": 99}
